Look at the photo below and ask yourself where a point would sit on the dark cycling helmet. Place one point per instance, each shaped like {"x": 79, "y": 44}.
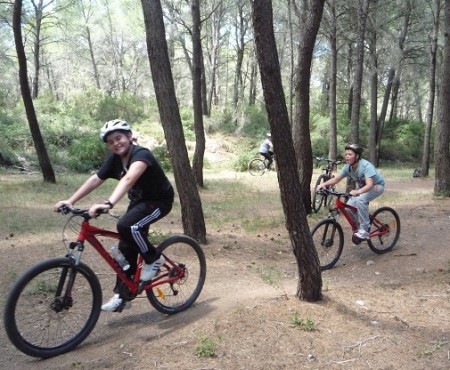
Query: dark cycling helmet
{"x": 355, "y": 148}
{"x": 114, "y": 125}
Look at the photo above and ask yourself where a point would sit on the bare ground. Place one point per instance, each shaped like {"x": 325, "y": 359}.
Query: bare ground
{"x": 391, "y": 313}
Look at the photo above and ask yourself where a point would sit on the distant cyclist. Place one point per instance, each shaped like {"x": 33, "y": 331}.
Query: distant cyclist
{"x": 369, "y": 185}
{"x": 266, "y": 150}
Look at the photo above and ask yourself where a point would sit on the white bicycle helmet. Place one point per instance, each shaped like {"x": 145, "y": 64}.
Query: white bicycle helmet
{"x": 114, "y": 125}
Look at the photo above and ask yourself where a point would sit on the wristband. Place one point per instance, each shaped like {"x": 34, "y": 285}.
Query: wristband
{"x": 108, "y": 203}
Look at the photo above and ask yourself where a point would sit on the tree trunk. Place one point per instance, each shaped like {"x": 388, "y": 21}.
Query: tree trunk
{"x": 310, "y": 20}
{"x": 93, "y": 61}
{"x": 38, "y": 13}
{"x": 441, "y": 148}
{"x": 216, "y": 24}
{"x": 191, "y": 207}
{"x": 401, "y": 49}
{"x": 199, "y": 153}
{"x": 291, "y": 62}
{"x": 310, "y": 280}
{"x": 430, "y": 110}
{"x": 241, "y": 30}
{"x": 41, "y": 151}
{"x": 384, "y": 107}
{"x": 372, "y": 142}
{"x": 332, "y": 93}
{"x": 363, "y": 10}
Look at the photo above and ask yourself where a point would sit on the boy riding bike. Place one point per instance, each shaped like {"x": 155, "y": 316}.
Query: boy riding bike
{"x": 369, "y": 185}
{"x": 151, "y": 197}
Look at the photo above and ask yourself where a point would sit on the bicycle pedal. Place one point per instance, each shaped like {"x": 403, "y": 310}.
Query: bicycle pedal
{"x": 141, "y": 286}
{"x": 356, "y": 240}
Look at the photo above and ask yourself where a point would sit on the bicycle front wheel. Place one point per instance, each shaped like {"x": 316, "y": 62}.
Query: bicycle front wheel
{"x": 328, "y": 238}
{"x": 177, "y": 296}
{"x": 318, "y": 199}
{"x": 384, "y": 230}
{"x": 52, "y": 308}
{"x": 256, "y": 167}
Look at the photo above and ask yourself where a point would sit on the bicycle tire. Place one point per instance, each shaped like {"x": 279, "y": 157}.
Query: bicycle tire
{"x": 171, "y": 298}
{"x": 37, "y": 320}
{"x": 256, "y": 167}
{"x": 385, "y": 221}
{"x": 318, "y": 198}
{"x": 328, "y": 238}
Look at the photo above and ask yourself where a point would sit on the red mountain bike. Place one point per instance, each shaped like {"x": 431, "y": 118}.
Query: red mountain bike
{"x": 55, "y": 305}
{"x": 328, "y": 235}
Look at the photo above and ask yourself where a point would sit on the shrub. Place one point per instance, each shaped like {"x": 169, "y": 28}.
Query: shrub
{"x": 86, "y": 154}
{"x": 162, "y": 155}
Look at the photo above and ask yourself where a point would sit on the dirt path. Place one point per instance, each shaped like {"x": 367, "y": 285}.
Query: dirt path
{"x": 379, "y": 311}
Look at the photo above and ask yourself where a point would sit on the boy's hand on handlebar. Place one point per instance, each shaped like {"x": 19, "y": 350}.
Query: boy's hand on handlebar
{"x": 58, "y": 207}
{"x": 96, "y": 209}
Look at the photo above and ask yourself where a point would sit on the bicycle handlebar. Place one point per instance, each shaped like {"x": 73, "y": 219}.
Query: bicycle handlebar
{"x": 335, "y": 193}
{"x": 323, "y": 159}
{"x": 65, "y": 209}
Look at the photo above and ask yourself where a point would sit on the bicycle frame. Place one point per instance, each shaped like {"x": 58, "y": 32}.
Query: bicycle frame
{"x": 344, "y": 208}
{"x": 89, "y": 233}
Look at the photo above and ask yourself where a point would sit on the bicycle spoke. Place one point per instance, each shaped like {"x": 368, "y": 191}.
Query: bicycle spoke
{"x": 42, "y": 322}
{"x": 189, "y": 264}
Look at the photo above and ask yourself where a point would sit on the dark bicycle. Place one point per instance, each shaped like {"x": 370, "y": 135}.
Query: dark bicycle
{"x": 322, "y": 198}
{"x": 259, "y": 166}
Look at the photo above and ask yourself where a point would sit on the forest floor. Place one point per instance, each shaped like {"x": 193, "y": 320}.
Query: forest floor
{"x": 386, "y": 311}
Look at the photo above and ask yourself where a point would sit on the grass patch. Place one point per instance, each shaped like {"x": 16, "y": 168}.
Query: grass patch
{"x": 306, "y": 324}
{"x": 206, "y": 347}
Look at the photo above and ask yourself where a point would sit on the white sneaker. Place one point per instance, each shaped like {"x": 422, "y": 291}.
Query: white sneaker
{"x": 362, "y": 234}
{"x": 148, "y": 272}
{"x": 116, "y": 304}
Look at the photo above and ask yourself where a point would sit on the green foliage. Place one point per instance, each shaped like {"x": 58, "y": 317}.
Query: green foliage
{"x": 86, "y": 154}
{"x": 402, "y": 141}
{"x": 162, "y": 155}
{"x": 240, "y": 164}
{"x": 256, "y": 123}
{"x": 304, "y": 324}
{"x": 187, "y": 120}
{"x": 126, "y": 106}
{"x": 206, "y": 347}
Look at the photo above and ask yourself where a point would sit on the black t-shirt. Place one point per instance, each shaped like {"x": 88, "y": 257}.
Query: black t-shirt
{"x": 153, "y": 183}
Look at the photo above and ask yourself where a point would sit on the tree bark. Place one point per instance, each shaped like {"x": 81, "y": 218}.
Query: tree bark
{"x": 41, "y": 151}
{"x": 372, "y": 142}
{"x": 441, "y": 148}
{"x": 432, "y": 91}
{"x": 191, "y": 207}
{"x": 310, "y": 280}
{"x": 332, "y": 92}
{"x": 384, "y": 107}
{"x": 199, "y": 153}
{"x": 363, "y": 10}
{"x": 310, "y": 20}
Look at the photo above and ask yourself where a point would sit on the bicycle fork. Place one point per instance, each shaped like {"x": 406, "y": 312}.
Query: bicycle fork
{"x": 63, "y": 299}
{"x": 328, "y": 242}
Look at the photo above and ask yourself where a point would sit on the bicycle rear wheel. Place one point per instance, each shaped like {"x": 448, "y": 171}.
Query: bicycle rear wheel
{"x": 328, "y": 238}
{"x": 256, "y": 167}
{"x": 188, "y": 256}
{"x": 384, "y": 230}
{"x": 52, "y": 308}
{"x": 317, "y": 198}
